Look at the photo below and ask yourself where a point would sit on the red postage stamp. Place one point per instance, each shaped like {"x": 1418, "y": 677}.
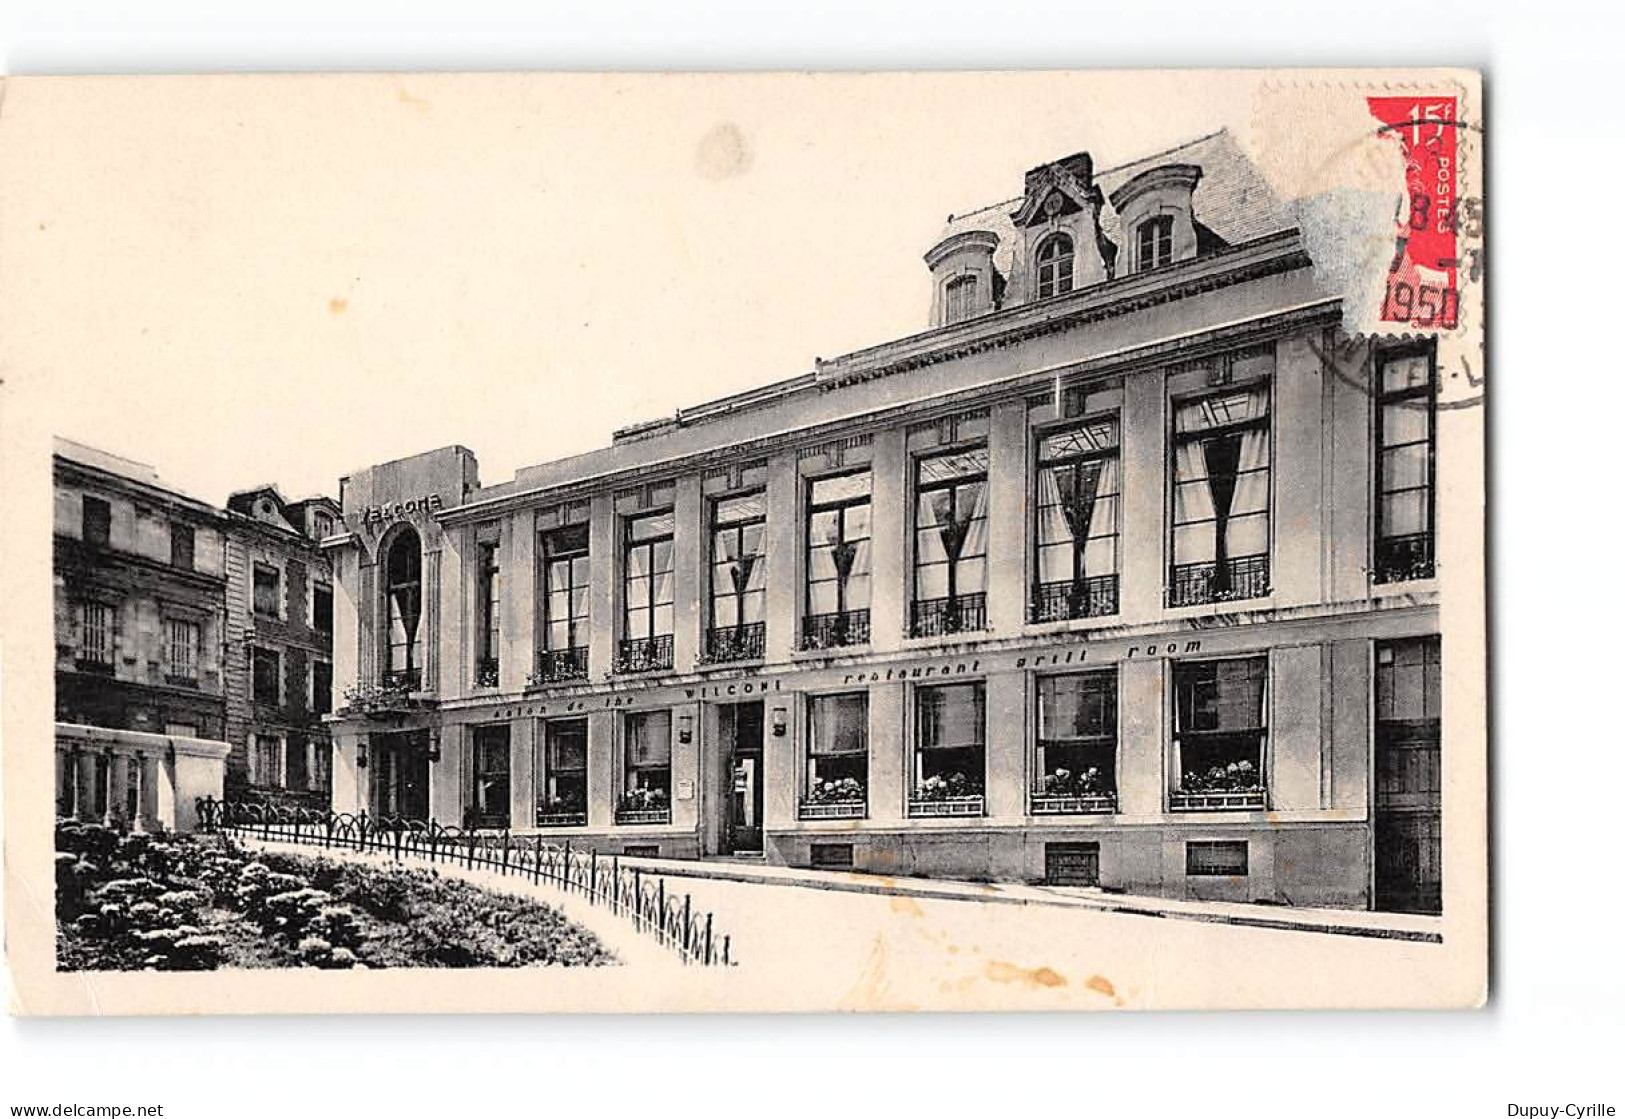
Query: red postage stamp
{"x": 1422, "y": 288}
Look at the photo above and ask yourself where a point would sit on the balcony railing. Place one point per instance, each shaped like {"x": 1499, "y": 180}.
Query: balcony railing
{"x": 831, "y": 631}
{"x": 395, "y": 692}
{"x": 555, "y": 666}
{"x": 402, "y": 680}
{"x": 94, "y": 664}
{"x": 487, "y": 672}
{"x": 1403, "y": 558}
{"x": 747, "y": 642}
{"x": 1217, "y": 801}
{"x": 935, "y": 617}
{"x": 645, "y": 654}
{"x": 1073, "y": 598}
{"x": 181, "y": 679}
{"x": 1081, "y": 804}
{"x": 1193, "y": 584}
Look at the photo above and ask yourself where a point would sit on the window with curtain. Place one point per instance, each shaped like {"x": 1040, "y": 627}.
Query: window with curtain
{"x": 1221, "y": 516}
{"x": 648, "y": 593}
{"x": 646, "y": 768}
{"x": 950, "y": 750}
{"x": 184, "y": 641}
{"x": 738, "y": 578}
{"x": 950, "y": 543}
{"x": 837, "y": 755}
{"x": 1156, "y": 242}
{"x": 961, "y": 298}
{"x": 182, "y": 546}
{"x": 265, "y": 761}
{"x": 95, "y": 635}
{"x": 1055, "y": 258}
{"x": 267, "y": 591}
{"x": 1076, "y": 766}
{"x": 838, "y": 538}
{"x": 1219, "y": 732}
{"x": 488, "y": 571}
{"x": 403, "y": 609}
{"x": 1406, "y": 448}
{"x": 1076, "y": 522}
{"x": 491, "y": 779}
{"x": 566, "y": 585}
{"x": 564, "y": 774}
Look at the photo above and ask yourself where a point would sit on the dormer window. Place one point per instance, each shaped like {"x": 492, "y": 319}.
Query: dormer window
{"x": 961, "y": 298}
{"x": 1156, "y": 243}
{"x": 1055, "y": 258}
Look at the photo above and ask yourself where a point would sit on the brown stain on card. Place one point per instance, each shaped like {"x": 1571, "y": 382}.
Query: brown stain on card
{"x": 405, "y": 97}
{"x": 908, "y": 907}
{"x": 1002, "y": 972}
{"x": 723, "y": 153}
{"x": 337, "y": 305}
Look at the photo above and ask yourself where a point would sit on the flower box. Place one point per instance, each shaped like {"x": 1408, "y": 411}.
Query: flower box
{"x": 834, "y": 810}
{"x": 1082, "y": 804}
{"x": 946, "y": 806}
{"x": 643, "y": 815}
{"x": 560, "y": 819}
{"x": 1216, "y": 800}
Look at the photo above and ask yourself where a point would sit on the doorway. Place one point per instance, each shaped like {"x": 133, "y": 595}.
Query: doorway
{"x": 1406, "y": 798}
{"x": 400, "y": 775}
{"x": 741, "y": 726}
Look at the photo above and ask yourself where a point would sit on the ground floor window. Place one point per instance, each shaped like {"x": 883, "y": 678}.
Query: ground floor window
{"x": 1075, "y": 770}
{"x": 1216, "y": 858}
{"x": 491, "y": 777}
{"x": 646, "y": 769}
{"x": 265, "y": 760}
{"x": 1219, "y": 733}
{"x": 950, "y": 751}
{"x": 837, "y": 756}
{"x": 564, "y": 774}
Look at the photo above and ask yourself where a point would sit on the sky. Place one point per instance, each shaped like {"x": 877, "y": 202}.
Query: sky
{"x": 279, "y": 280}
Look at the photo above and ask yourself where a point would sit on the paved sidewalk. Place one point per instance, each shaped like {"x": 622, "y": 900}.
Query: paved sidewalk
{"x": 1339, "y": 922}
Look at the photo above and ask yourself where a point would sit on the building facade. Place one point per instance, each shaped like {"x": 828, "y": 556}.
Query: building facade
{"x": 1107, "y": 578}
{"x": 279, "y": 626}
{"x": 139, "y": 599}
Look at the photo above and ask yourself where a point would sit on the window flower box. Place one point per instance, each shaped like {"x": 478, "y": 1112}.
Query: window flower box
{"x": 1088, "y": 804}
{"x": 1068, "y": 792}
{"x": 643, "y": 806}
{"x": 946, "y": 806}
{"x": 560, "y": 814}
{"x": 842, "y": 798}
{"x": 1227, "y": 787}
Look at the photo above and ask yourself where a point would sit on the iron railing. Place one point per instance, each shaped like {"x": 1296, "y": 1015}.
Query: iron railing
{"x": 1193, "y": 584}
{"x": 1074, "y": 598}
{"x": 1403, "y": 558}
{"x": 935, "y": 617}
{"x": 487, "y": 672}
{"x": 746, "y": 642}
{"x": 402, "y": 680}
{"x": 645, "y": 654}
{"x": 626, "y": 891}
{"x": 555, "y": 666}
{"x": 831, "y": 631}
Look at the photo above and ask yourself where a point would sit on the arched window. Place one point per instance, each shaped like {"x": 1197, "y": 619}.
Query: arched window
{"x": 403, "y": 607}
{"x": 1055, "y": 266}
{"x": 961, "y": 298}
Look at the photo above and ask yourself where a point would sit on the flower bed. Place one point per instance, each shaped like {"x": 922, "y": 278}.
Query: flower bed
{"x": 128, "y": 902}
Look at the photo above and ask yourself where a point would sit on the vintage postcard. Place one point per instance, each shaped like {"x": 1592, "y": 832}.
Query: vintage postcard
{"x": 692, "y": 542}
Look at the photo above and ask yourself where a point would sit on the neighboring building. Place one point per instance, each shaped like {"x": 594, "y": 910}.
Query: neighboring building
{"x": 279, "y": 624}
{"x": 1105, "y": 578}
{"x": 140, "y": 596}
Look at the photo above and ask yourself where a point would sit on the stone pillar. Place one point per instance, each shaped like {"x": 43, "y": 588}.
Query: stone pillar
{"x": 1348, "y": 705}
{"x": 784, "y": 560}
{"x": 602, "y": 742}
{"x": 1141, "y": 779}
{"x": 685, "y": 765}
{"x": 113, "y": 788}
{"x": 144, "y": 802}
{"x": 688, "y": 582}
{"x": 1295, "y": 730}
{"x": 518, "y": 648}
{"x": 1348, "y": 447}
{"x": 72, "y": 794}
{"x": 1006, "y": 739}
{"x": 889, "y": 550}
{"x": 445, "y": 670}
{"x": 780, "y": 757}
{"x": 1296, "y": 548}
{"x": 86, "y": 811}
{"x": 1142, "y": 567}
{"x": 1007, "y": 562}
{"x": 888, "y": 753}
{"x": 522, "y": 772}
{"x": 603, "y": 624}
{"x": 446, "y": 799}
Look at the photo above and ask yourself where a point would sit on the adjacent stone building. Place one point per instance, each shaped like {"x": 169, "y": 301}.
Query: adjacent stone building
{"x": 1105, "y": 578}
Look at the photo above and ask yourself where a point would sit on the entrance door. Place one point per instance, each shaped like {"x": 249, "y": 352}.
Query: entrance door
{"x": 1407, "y": 793}
{"x": 742, "y": 731}
{"x": 400, "y": 775}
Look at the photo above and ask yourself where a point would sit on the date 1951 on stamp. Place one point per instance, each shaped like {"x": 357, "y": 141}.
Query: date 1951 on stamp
{"x": 1423, "y": 288}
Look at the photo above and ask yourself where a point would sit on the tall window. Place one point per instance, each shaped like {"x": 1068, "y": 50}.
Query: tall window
{"x": 265, "y": 765}
{"x": 1406, "y": 447}
{"x": 321, "y": 525}
{"x": 1076, "y": 768}
{"x": 1076, "y": 523}
{"x": 950, "y": 750}
{"x": 183, "y": 641}
{"x": 489, "y": 590}
{"x": 321, "y": 608}
{"x": 267, "y": 677}
{"x": 950, "y": 543}
{"x": 403, "y": 609}
{"x": 567, "y": 581}
{"x": 321, "y": 687}
{"x": 96, "y": 521}
{"x": 1156, "y": 242}
{"x": 738, "y": 579}
{"x": 564, "y": 769}
{"x": 838, "y": 535}
{"x": 646, "y": 769}
{"x": 1408, "y": 788}
{"x": 647, "y": 622}
{"x": 1055, "y": 266}
{"x": 961, "y": 298}
{"x": 837, "y": 756}
{"x": 95, "y": 635}
{"x": 267, "y": 591}
{"x": 1221, "y": 523}
{"x": 489, "y": 807}
{"x": 182, "y": 544}
{"x": 1219, "y": 733}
